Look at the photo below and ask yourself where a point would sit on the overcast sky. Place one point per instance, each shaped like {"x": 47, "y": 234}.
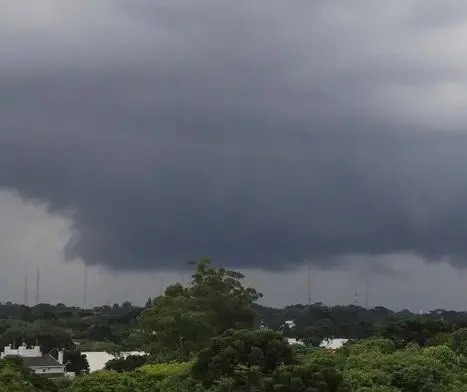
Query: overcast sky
{"x": 270, "y": 135}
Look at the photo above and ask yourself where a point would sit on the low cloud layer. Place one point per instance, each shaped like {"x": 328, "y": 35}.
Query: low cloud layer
{"x": 31, "y": 238}
{"x": 261, "y": 135}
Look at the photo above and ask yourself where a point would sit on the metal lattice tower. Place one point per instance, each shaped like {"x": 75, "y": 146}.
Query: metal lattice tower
{"x": 25, "y": 289}
{"x": 37, "y": 287}
{"x": 356, "y": 300}
{"x": 367, "y": 293}
{"x": 85, "y": 288}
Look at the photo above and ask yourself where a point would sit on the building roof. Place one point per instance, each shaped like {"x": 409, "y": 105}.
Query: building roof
{"x": 43, "y": 361}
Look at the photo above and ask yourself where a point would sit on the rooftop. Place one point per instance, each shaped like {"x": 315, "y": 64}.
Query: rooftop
{"x": 43, "y": 361}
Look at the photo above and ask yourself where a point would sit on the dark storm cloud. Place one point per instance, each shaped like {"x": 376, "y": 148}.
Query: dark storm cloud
{"x": 260, "y": 135}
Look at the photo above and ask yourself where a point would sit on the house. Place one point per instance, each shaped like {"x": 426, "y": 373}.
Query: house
{"x": 38, "y": 362}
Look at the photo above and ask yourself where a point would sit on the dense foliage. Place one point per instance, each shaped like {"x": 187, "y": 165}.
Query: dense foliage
{"x": 76, "y": 362}
{"x": 316, "y": 322}
{"x": 262, "y": 361}
{"x": 181, "y": 322}
{"x": 14, "y": 377}
{"x": 70, "y": 327}
{"x": 149, "y": 378}
{"x": 239, "y": 357}
{"x": 126, "y": 364}
{"x": 209, "y": 336}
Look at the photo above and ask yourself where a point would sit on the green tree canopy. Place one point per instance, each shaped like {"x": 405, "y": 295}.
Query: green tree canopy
{"x": 182, "y": 321}
{"x": 242, "y": 356}
{"x": 76, "y": 362}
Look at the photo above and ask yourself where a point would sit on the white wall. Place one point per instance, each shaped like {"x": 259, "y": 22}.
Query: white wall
{"x": 98, "y": 359}
{"x": 23, "y": 351}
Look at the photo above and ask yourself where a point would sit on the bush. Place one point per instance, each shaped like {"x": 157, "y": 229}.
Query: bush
{"x": 127, "y": 364}
{"x": 165, "y": 370}
{"x": 149, "y": 378}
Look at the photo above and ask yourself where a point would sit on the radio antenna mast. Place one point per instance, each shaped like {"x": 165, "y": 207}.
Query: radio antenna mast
{"x": 367, "y": 292}
{"x": 85, "y": 288}
{"x": 356, "y": 300}
{"x": 26, "y": 289}
{"x": 37, "y": 287}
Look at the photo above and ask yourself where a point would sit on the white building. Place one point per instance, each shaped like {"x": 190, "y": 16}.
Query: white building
{"x": 333, "y": 344}
{"x": 34, "y": 359}
{"x": 293, "y": 341}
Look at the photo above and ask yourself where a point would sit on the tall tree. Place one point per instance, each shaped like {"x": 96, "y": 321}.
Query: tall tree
{"x": 76, "y": 362}
{"x": 181, "y": 321}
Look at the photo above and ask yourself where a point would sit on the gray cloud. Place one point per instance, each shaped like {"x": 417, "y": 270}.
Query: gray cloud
{"x": 32, "y": 237}
{"x": 259, "y": 134}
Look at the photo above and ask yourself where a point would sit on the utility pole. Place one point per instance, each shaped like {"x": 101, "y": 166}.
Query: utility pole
{"x": 309, "y": 285}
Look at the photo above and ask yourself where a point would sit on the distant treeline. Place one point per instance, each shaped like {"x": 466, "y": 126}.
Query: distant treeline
{"x": 114, "y": 327}
{"x": 316, "y": 322}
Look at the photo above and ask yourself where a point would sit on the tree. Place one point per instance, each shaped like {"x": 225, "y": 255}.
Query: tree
{"x": 222, "y": 292}
{"x": 48, "y": 337}
{"x": 173, "y": 327}
{"x": 135, "y": 381}
{"x": 419, "y": 330}
{"x": 242, "y": 357}
{"x": 148, "y": 303}
{"x": 312, "y": 376}
{"x": 182, "y": 321}
{"x": 376, "y": 365}
{"x": 100, "y": 333}
{"x": 76, "y": 362}
{"x": 102, "y": 381}
{"x": 127, "y": 364}
{"x": 458, "y": 341}
{"x": 14, "y": 377}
